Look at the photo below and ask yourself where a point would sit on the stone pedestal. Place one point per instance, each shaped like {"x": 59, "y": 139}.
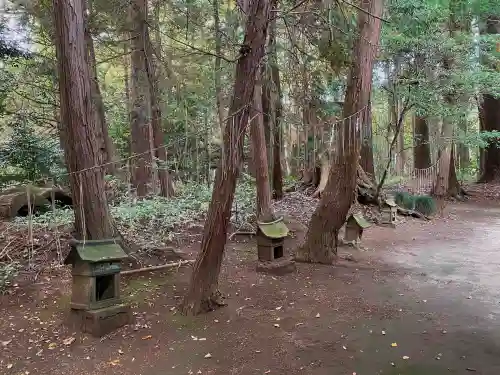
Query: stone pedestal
{"x": 100, "y": 322}
{"x": 278, "y": 267}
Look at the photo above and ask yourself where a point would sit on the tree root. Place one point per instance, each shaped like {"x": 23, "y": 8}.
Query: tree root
{"x": 302, "y": 255}
{"x": 212, "y": 303}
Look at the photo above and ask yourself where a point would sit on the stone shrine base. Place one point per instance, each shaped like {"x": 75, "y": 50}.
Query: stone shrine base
{"x": 278, "y": 267}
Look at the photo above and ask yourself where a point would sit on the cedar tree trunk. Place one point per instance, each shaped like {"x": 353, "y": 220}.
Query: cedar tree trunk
{"x": 140, "y": 116}
{"x": 421, "y": 149}
{"x": 321, "y": 239}
{"x": 166, "y": 186}
{"x": 81, "y": 132}
{"x": 108, "y": 148}
{"x": 366, "y": 160}
{"x": 259, "y": 150}
{"x": 202, "y": 293}
{"x": 490, "y": 109}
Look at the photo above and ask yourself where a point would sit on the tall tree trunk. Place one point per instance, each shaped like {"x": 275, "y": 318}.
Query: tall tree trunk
{"x": 108, "y": 148}
{"x": 277, "y": 178}
{"x": 259, "y": 149}
{"x": 321, "y": 239}
{"x": 202, "y": 294}
{"x": 446, "y": 158}
{"x": 491, "y": 110}
{"x": 454, "y": 188}
{"x": 217, "y": 65}
{"x": 81, "y": 132}
{"x": 421, "y": 149}
{"x": 394, "y": 107}
{"x": 166, "y": 186}
{"x": 141, "y": 102}
{"x": 366, "y": 160}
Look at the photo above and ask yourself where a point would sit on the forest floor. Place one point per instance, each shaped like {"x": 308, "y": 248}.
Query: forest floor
{"x": 420, "y": 299}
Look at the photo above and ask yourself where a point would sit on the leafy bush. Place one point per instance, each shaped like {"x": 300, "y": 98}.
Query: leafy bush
{"x": 27, "y": 155}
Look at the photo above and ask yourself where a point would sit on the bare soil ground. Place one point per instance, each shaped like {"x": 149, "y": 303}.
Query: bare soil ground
{"x": 421, "y": 299}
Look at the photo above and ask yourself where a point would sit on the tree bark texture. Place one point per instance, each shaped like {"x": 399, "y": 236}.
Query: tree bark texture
{"x": 366, "y": 160}
{"x": 203, "y": 289}
{"x": 83, "y": 136}
{"x": 321, "y": 239}
{"x": 259, "y": 149}
{"x": 421, "y": 148}
{"x": 140, "y": 116}
{"x": 108, "y": 148}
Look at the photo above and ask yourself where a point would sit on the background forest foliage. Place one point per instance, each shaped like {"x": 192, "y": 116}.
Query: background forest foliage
{"x": 436, "y": 62}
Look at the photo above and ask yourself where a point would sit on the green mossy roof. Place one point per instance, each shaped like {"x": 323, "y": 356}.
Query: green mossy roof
{"x": 274, "y": 229}
{"x": 361, "y": 221}
{"x": 95, "y": 251}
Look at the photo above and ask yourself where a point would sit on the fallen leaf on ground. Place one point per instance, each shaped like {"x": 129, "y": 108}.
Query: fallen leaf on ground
{"x": 148, "y": 337}
{"x": 5, "y": 343}
{"x": 406, "y": 357}
{"x": 208, "y": 355}
{"x": 278, "y": 308}
{"x": 52, "y": 345}
{"x": 114, "y": 362}
{"x": 202, "y": 339}
{"x": 69, "y": 341}
{"x": 394, "y": 344}
{"x": 9, "y": 366}
{"x": 120, "y": 351}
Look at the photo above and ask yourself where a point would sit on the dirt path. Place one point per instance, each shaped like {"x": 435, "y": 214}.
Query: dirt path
{"x": 404, "y": 309}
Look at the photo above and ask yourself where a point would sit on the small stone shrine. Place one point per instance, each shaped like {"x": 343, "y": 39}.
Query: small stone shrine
{"x": 355, "y": 225}
{"x": 389, "y": 212}
{"x": 270, "y": 248}
{"x": 95, "y": 297}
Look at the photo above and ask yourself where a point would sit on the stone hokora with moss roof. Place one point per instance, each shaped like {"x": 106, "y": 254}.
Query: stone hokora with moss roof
{"x": 355, "y": 225}
{"x": 270, "y": 248}
{"x": 95, "y": 298}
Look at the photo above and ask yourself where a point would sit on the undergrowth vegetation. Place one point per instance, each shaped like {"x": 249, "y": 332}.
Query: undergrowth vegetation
{"x": 156, "y": 218}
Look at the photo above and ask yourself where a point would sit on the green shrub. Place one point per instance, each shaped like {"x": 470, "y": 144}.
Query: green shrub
{"x": 405, "y": 200}
{"x": 425, "y": 204}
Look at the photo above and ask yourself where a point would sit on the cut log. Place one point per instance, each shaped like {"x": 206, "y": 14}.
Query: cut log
{"x": 14, "y": 201}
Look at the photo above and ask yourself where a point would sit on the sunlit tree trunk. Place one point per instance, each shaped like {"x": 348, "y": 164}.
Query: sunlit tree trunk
{"x": 202, "y": 294}
{"x": 340, "y": 192}
{"x": 82, "y": 134}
